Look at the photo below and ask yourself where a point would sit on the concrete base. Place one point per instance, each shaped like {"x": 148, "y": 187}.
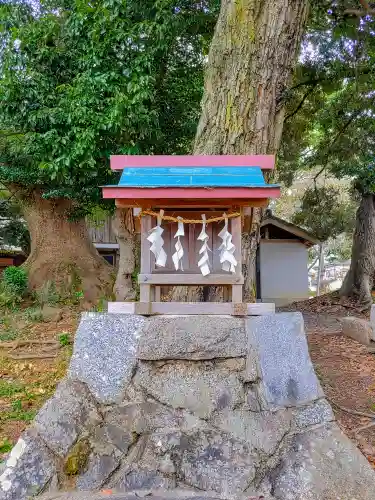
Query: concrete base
{"x": 194, "y": 406}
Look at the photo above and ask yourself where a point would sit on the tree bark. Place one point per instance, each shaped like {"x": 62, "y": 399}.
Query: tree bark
{"x": 250, "y": 63}
{"x": 61, "y": 250}
{"x": 123, "y": 227}
{"x": 359, "y": 279}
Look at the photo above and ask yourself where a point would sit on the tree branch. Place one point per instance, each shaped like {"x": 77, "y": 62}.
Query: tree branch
{"x": 337, "y": 136}
{"x": 325, "y": 78}
{"x": 360, "y": 13}
{"x": 312, "y": 81}
{"x": 310, "y": 91}
{"x": 313, "y": 264}
{"x": 318, "y": 174}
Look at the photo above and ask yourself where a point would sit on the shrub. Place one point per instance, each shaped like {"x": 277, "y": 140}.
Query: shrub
{"x": 14, "y": 281}
{"x": 64, "y": 339}
{"x": 5, "y": 446}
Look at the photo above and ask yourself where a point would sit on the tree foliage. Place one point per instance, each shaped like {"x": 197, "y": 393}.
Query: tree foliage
{"x": 330, "y": 121}
{"x": 330, "y": 125}
{"x": 325, "y": 213}
{"x": 80, "y": 81}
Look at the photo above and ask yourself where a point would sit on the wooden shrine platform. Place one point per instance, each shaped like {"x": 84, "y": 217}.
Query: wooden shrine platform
{"x": 190, "y": 308}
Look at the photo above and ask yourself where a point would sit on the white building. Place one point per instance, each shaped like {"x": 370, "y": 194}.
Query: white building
{"x": 282, "y": 262}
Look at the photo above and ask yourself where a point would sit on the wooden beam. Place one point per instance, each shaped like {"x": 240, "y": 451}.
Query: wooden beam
{"x": 122, "y": 307}
{"x": 200, "y": 203}
{"x": 248, "y": 219}
{"x": 190, "y": 279}
{"x": 237, "y": 294}
{"x": 187, "y": 308}
{"x": 146, "y": 225}
{"x": 193, "y": 193}
{"x": 236, "y": 231}
{"x": 145, "y": 293}
{"x": 360, "y": 13}
{"x": 281, "y": 240}
{"x": 157, "y": 292}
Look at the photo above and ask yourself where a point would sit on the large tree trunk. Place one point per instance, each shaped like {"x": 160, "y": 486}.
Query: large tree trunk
{"x": 123, "y": 226}
{"x": 61, "y": 250}
{"x": 359, "y": 279}
{"x": 251, "y": 59}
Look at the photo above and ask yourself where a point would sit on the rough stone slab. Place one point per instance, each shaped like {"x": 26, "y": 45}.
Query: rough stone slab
{"x": 288, "y": 377}
{"x": 144, "y": 479}
{"x": 159, "y": 494}
{"x": 372, "y": 322}
{"x": 251, "y": 372}
{"x": 29, "y": 467}
{"x": 357, "y": 329}
{"x": 104, "y": 353}
{"x": 214, "y": 461}
{"x": 115, "y": 436}
{"x": 193, "y": 386}
{"x": 99, "y": 469}
{"x": 261, "y": 431}
{"x": 51, "y": 313}
{"x": 252, "y": 399}
{"x": 317, "y": 413}
{"x": 324, "y": 464}
{"x": 141, "y": 417}
{"x": 64, "y": 416}
{"x": 193, "y": 337}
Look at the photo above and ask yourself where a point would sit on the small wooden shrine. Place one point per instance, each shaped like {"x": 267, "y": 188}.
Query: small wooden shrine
{"x": 191, "y": 210}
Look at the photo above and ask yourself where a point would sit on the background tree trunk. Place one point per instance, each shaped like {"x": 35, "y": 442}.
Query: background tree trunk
{"x": 251, "y": 59}
{"x": 359, "y": 279}
{"x": 123, "y": 227}
{"x": 61, "y": 250}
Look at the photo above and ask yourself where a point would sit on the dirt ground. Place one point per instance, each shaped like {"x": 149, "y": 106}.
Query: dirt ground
{"x": 347, "y": 374}
{"x": 29, "y": 372}
{"x": 344, "y": 367}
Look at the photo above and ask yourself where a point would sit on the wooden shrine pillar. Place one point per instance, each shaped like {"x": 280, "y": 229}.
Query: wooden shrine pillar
{"x": 145, "y": 292}
{"x": 237, "y": 289}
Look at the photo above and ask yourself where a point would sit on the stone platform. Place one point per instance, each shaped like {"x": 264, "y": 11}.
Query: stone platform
{"x": 188, "y": 407}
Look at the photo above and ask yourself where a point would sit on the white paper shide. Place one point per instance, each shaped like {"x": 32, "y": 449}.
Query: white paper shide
{"x": 157, "y": 242}
{"x": 203, "y": 262}
{"x": 178, "y": 255}
{"x": 227, "y": 249}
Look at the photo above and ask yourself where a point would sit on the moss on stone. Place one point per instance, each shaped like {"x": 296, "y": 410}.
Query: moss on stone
{"x": 77, "y": 458}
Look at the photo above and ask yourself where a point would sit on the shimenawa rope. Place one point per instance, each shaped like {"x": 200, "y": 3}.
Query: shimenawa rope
{"x": 189, "y": 221}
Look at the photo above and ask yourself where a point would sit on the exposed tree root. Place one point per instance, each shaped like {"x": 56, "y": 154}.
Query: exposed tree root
{"x": 352, "y": 412}
{"x": 32, "y": 356}
{"x": 48, "y": 348}
{"x": 363, "y": 428}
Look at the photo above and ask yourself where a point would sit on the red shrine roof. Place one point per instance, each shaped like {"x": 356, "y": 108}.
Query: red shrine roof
{"x": 226, "y": 178}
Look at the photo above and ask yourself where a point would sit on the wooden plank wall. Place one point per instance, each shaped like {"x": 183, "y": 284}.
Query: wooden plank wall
{"x": 102, "y": 233}
{"x": 191, "y": 244}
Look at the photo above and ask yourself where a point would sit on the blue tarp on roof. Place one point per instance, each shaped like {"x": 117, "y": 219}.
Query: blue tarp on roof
{"x": 193, "y": 177}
